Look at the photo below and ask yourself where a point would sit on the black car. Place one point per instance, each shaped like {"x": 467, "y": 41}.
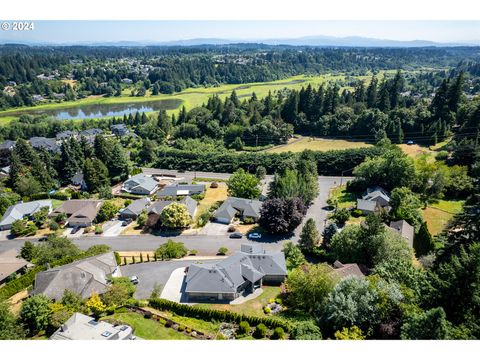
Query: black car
{"x": 236, "y": 235}
{"x": 127, "y": 222}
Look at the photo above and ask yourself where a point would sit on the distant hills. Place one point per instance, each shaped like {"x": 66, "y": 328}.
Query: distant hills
{"x": 316, "y": 41}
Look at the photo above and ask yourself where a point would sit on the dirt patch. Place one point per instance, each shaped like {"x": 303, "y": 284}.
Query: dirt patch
{"x": 17, "y": 300}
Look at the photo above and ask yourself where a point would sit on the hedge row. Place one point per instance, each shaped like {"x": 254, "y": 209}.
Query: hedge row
{"x": 333, "y": 162}
{"x": 27, "y": 279}
{"x": 208, "y": 314}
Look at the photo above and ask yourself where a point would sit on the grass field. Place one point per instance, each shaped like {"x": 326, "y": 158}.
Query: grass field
{"x": 146, "y": 328}
{"x": 211, "y": 197}
{"x": 302, "y": 143}
{"x": 343, "y": 198}
{"x": 253, "y": 307}
{"x": 190, "y": 97}
{"x": 438, "y": 215}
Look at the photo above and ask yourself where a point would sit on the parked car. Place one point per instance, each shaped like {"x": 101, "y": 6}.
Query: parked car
{"x": 236, "y": 235}
{"x": 254, "y": 236}
{"x": 126, "y": 222}
{"x": 134, "y": 279}
{"x": 75, "y": 230}
{"x": 409, "y": 142}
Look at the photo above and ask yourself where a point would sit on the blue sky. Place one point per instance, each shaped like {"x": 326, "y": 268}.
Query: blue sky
{"x": 156, "y": 31}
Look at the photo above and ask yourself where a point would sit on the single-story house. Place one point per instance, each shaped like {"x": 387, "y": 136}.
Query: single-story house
{"x": 405, "y": 229}
{"x": 241, "y": 272}
{"x": 181, "y": 190}
{"x": 49, "y": 144}
{"x": 344, "y": 270}
{"x": 11, "y": 264}
{"x": 83, "y": 327}
{"x": 78, "y": 180}
{"x": 83, "y": 277}
{"x": 67, "y": 134}
{"x": 157, "y": 207}
{"x": 374, "y": 200}
{"x": 91, "y": 132}
{"x": 7, "y": 145}
{"x": 21, "y": 210}
{"x": 140, "y": 184}
{"x": 119, "y": 129}
{"x": 242, "y": 208}
{"x": 135, "y": 208}
{"x": 79, "y": 212}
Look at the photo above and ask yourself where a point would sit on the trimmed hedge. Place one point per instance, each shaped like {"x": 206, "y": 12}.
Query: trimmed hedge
{"x": 27, "y": 279}
{"x": 208, "y": 314}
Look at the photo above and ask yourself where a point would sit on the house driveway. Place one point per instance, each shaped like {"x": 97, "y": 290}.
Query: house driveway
{"x": 112, "y": 228}
{"x": 155, "y": 273}
{"x": 214, "y": 228}
{"x": 174, "y": 288}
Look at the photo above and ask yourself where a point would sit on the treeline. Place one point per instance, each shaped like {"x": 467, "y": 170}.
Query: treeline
{"x": 328, "y": 163}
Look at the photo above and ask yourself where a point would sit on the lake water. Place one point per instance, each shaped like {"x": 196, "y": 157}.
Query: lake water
{"x": 105, "y": 110}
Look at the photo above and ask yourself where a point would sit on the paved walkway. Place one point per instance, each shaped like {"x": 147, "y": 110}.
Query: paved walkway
{"x": 173, "y": 289}
{"x": 243, "y": 299}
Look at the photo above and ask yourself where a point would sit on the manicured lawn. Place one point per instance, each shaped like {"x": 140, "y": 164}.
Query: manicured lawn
{"x": 253, "y": 307}
{"x": 298, "y": 145}
{"x": 211, "y": 197}
{"x": 148, "y": 329}
{"x": 343, "y": 198}
{"x": 438, "y": 215}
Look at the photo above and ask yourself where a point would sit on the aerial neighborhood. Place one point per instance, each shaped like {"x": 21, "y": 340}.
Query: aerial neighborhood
{"x": 341, "y": 202}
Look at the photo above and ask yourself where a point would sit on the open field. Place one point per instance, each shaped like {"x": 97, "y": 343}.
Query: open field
{"x": 438, "y": 215}
{"x": 317, "y": 144}
{"x": 146, "y": 328}
{"x": 253, "y": 307}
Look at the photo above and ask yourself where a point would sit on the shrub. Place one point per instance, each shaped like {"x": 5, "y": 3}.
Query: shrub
{"x": 54, "y": 226}
{"x": 243, "y": 328}
{"x": 222, "y": 250}
{"x": 171, "y": 250}
{"x": 193, "y": 252}
{"x": 267, "y": 310}
{"x": 278, "y": 334}
{"x": 117, "y": 258}
{"x": 356, "y": 213}
{"x": 341, "y": 216}
{"x": 98, "y": 229}
{"x": 232, "y": 228}
{"x": 260, "y": 331}
{"x": 181, "y": 328}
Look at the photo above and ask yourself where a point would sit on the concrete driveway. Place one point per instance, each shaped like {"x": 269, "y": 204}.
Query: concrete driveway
{"x": 68, "y": 232}
{"x": 112, "y": 228}
{"x": 214, "y": 228}
{"x": 173, "y": 289}
{"x": 156, "y": 273}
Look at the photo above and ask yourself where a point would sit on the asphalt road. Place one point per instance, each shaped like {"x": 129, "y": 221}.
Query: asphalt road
{"x": 204, "y": 244}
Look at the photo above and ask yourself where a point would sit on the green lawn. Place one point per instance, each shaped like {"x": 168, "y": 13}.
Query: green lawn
{"x": 207, "y": 327}
{"x": 437, "y": 215}
{"x": 253, "y": 307}
{"x": 146, "y": 328}
{"x": 343, "y": 198}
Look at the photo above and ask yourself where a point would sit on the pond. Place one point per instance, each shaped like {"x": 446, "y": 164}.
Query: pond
{"x": 89, "y": 111}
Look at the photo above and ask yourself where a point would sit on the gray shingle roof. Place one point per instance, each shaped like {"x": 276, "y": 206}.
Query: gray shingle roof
{"x": 366, "y": 205}
{"x": 49, "y": 144}
{"x": 79, "y": 209}
{"x": 20, "y": 210}
{"x": 179, "y": 189}
{"x": 9, "y": 264}
{"x": 158, "y": 206}
{"x": 138, "y": 183}
{"x": 227, "y": 275}
{"x": 7, "y": 145}
{"x": 66, "y": 134}
{"x": 405, "y": 229}
{"x": 91, "y": 132}
{"x": 248, "y": 208}
{"x": 137, "y": 206}
{"x": 83, "y": 277}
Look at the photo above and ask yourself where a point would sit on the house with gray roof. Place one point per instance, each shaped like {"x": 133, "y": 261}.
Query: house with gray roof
{"x": 21, "y": 210}
{"x": 79, "y": 180}
{"x": 240, "y": 273}
{"x": 7, "y": 145}
{"x": 80, "y": 213}
{"x": 48, "y": 144}
{"x": 67, "y": 134}
{"x": 374, "y": 200}
{"x": 140, "y": 184}
{"x": 237, "y": 207}
{"x": 83, "y": 277}
{"x": 119, "y": 129}
{"x": 10, "y": 264}
{"x": 91, "y": 132}
{"x": 135, "y": 208}
{"x": 83, "y": 327}
{"x": 5, "y": 171}
{"x": 157, "y": 207}
{"x": 405, "y": 229}
{"x": 181, "y": 190}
